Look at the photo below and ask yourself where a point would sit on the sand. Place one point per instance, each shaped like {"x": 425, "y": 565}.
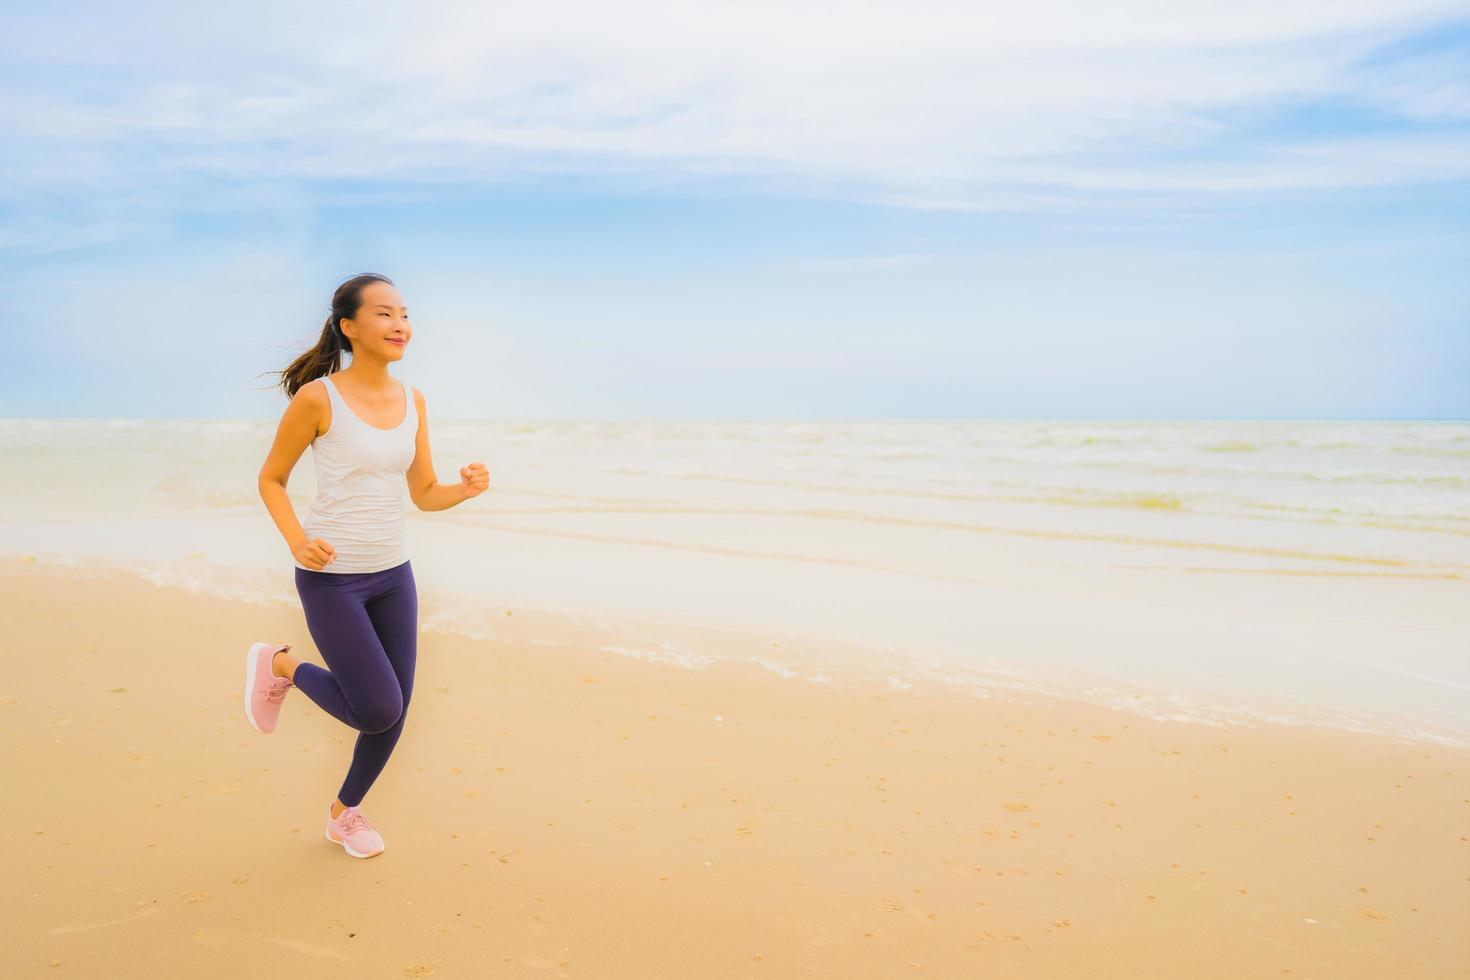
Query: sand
{"x": 553, "y": 810}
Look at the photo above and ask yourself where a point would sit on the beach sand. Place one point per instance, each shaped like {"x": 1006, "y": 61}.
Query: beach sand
{"x": 553, "y": 810}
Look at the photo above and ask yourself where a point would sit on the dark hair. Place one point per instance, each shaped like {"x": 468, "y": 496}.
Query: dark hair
{"x": 326, "y": 356}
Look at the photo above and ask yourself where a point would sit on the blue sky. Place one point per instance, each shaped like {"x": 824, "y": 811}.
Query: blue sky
{"x": 748, "y": 210}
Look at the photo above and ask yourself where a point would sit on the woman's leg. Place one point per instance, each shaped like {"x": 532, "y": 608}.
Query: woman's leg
{"x": 394, "y": 611}
{"x": 366, "y": 628}
{"x": 361, "y": 688}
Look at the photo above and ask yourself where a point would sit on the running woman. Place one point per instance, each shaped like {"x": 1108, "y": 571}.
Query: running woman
{"x": 369, "y": 433}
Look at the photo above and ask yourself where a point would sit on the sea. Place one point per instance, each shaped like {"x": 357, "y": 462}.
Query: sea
{"x": 1206, "y": 572}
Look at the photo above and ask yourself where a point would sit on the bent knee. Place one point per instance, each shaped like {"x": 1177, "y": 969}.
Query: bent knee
{"x": 381, "y": 716}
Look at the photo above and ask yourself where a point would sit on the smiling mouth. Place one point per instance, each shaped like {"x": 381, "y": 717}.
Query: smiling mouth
{"x": 400, "y": 343}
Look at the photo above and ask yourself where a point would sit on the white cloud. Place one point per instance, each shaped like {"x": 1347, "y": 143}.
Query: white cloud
{"x": 1429, "y": 87}
{"x": 1032, "y": 106}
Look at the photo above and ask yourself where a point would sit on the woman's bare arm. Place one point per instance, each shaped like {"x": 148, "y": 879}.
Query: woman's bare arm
{"x": 424, "y": 488}
{"x": 299, "y": 424}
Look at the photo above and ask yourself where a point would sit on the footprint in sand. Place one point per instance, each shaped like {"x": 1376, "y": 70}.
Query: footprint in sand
{"x": 891, "y": 905}
{"x": 310, "y": 949}
{"x": 1375, "y": 915}
{"x": 1016, "y": 807}
{"x": 63, "y": 930}
{"x": 419, "y": 969}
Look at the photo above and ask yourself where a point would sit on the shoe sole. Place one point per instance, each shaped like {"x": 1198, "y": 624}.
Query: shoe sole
{"x": 357, "y": 854}
{"x": 252, "y": 660}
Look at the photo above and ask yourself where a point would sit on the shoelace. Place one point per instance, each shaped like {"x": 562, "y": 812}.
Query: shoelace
{"x": 353, "y": 821}
{"x": 277, "y": 691}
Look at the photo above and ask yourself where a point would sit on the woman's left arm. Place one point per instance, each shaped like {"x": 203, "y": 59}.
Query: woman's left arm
{"x": 424, "y": 487}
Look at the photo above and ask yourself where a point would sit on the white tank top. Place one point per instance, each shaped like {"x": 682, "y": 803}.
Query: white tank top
{"x": 358, "y": 507}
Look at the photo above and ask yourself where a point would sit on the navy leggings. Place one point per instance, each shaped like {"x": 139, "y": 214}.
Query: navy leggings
{"x": 365, "y": 624}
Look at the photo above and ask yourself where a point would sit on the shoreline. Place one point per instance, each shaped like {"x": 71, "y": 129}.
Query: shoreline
{"x": 554, "y": 809}
{"x": 695, "y": 642}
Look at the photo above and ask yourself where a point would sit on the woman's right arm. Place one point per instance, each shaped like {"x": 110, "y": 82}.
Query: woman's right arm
{"x": 297, "y": 429}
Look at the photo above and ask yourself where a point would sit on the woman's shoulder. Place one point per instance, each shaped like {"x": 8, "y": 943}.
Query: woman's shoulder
{"x": 317, "y": 402}
{"x": 312, "y": 392}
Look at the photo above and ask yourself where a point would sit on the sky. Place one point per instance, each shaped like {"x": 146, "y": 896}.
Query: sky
{"x": 754, "y": 210}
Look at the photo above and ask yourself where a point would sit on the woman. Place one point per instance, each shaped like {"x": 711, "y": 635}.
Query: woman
{"x": 368, "y": 432}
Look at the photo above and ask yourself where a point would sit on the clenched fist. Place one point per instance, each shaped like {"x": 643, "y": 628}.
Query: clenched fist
{"x": 474, "y": 479}
{"x": 316, "y": 554}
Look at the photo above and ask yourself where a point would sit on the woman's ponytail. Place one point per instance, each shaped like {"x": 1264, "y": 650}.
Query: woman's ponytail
{"x": 326, "y": 356}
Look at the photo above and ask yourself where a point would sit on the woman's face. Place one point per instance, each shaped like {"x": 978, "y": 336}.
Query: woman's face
{"x": 381, "y": 329}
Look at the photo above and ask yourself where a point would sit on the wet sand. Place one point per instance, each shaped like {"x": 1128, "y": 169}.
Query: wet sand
{"x": 553, "y": 810}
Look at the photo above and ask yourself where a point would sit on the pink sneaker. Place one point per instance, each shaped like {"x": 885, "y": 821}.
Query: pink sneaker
{"x": 352, "y": 830}
{"x": 264, "y": 691}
